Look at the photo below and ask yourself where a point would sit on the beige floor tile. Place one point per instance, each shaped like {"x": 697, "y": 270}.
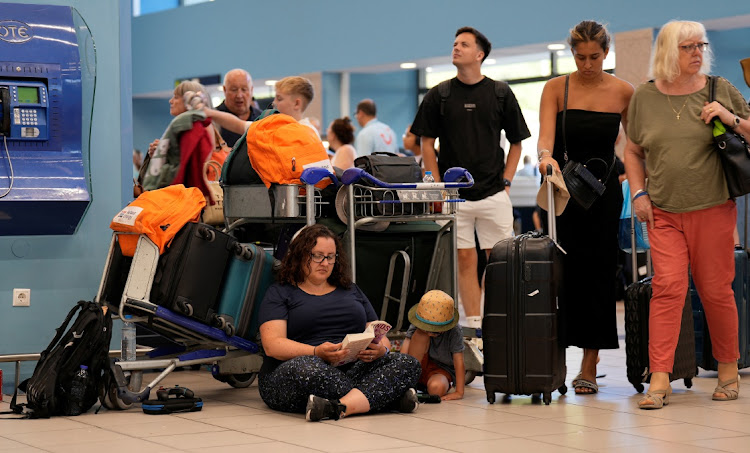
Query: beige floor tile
{"x": 730, "y": 444}
{"x": 507, "y": 445}
{"x": 613, "y": 420}
{"x": 270, "y": 447}
{"x": 163, "y": 425}
{"x": 127, "y": 445}
{"x": 532, "y": 428}
{"x": 594, "y": 440}
{"x": 207, "y": 440}
{"x": 40, "y": 425}
{"x": 251, "y": 423}
{"x": 77, "y": 436}
{"x": 11, "y": 445}
{"x": 447, "y": 433}
{"x": 679, "y": 432}
{"x": 662, "y": 447}
{"x": 329, "y": 436}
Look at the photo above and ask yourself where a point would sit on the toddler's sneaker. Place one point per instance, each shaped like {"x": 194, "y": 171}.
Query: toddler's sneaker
{"x": 320, "y": 408}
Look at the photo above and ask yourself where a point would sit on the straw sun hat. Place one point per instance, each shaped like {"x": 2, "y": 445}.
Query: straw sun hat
{"x": 435, "y": 312}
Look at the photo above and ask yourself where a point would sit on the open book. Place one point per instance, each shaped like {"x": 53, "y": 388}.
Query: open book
{"x": 356, "y": 342}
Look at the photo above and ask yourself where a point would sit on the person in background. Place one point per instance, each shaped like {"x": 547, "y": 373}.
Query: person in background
{"x": 314, "y": 305}
{"x": 238, "y": 100}
{"x": 340, "y": 135}
{"x": 596, "y": 104}
{"x": 690, "y": 216}
{"x": 375, "y": 135}
{"x": 413, "y": 143}
{"x": 436, "y": 339}
{"x": 469, "y": 126}
{"x": 178, "y": 157}
{"x": 529, "y": 168}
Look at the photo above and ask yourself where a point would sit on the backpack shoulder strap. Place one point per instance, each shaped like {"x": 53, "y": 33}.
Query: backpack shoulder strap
{"x": 444, "y": 89}
{"x": 500, "y": 89}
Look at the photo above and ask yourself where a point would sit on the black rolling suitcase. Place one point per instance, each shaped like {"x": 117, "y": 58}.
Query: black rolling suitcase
{"x": 190, "y": 273}
{"x": 522, "y": 351}
{"x": 637, "y": 300}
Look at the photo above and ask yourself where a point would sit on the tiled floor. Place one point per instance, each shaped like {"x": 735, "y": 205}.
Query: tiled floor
{"x": 237, "y": 420}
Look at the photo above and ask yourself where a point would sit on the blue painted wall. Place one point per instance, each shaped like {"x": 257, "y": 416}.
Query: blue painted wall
{"x": 150, "y": 118}
{"x": 287, "y": 37}
{"x": 61, "y": 270}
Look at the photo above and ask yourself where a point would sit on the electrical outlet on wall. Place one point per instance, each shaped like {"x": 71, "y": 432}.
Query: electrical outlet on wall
{"x": 21, "y": 297}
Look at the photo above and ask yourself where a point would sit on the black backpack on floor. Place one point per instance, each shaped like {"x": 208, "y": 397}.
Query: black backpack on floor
{"x": 48, "y": 390}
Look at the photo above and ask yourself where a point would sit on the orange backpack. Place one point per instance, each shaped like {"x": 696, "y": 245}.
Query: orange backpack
{"x": 279, "y": 148}
{"x": 159, "y": 214}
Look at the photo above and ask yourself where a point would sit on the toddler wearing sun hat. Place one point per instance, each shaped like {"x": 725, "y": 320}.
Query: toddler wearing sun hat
{"x": 436, "y": 340}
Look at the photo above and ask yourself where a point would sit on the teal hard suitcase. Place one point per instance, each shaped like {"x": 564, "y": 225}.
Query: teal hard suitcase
{"x": 248, "y": 277}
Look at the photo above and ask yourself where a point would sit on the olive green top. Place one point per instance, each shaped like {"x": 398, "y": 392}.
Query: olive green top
{"x": 684, "y": 170}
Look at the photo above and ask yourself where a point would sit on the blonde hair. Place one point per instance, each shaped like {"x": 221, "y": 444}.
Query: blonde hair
{"x": 665, "y": 57}
{"x": 297, "y": 86}
{"x": 195, "y": 87}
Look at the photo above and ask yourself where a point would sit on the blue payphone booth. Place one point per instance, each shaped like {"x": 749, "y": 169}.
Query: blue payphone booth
{"x": 43, "y": 180}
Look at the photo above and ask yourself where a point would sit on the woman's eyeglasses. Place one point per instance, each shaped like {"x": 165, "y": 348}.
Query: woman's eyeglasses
{"x": 690, "y": 48}
{"x": 318, "y": 258}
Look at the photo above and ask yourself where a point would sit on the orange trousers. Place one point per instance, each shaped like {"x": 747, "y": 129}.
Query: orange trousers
{"x": 703, "y": 239}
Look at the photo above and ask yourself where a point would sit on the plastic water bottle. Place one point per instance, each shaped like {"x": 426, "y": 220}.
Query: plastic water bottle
{"x": 128, "y": 339}
{"x": 78, "y": 390}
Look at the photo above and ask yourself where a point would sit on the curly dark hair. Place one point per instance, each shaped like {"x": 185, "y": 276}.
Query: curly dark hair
{"x": 343, "y": 129}
{"x": 294, "y": 266}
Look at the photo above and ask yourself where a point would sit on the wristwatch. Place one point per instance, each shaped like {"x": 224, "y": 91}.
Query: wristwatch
{"x": 506, "y": 182}
{"x": 736, "y": 122}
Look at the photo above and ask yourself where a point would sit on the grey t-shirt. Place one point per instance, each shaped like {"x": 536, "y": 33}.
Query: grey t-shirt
{"x": 444, "y": 346}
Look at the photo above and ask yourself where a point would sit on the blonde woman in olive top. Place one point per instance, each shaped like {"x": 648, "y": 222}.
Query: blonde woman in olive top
{"x": 686, "y": 203}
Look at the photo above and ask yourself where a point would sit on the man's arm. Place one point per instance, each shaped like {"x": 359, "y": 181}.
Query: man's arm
{"x": 227, "y": 121}
{"x": 429, "y": 157}
{"x": 514, "y": 155}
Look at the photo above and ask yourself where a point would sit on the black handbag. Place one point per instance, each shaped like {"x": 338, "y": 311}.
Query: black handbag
{"x": 583, "y": 184}
{"x": 734, "y": 152}
{"x": 389, "y": 167}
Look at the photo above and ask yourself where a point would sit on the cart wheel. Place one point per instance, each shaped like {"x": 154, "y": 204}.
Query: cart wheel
{"x": 109, "y": 398}
{"x": 241, "y": 381}
{"x": 491, "y": 397}
{"x": 563, "y": 389}
{"x": 688, "y": 383}
{"x": 638, "y": 388}
{"x": 470, "y": 375}
{"x": 547, "y": 398}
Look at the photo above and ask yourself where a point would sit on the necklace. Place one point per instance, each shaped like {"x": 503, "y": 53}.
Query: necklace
{"x": 677, "y": 114}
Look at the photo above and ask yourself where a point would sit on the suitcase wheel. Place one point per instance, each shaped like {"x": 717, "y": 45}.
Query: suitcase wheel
{"x": 244, "y": 253}
{"x": 228, "y": 329}
{"x": 491, "y": 397}
{"x": 563, "y": 389}
{"x": 207, "y": 233}
{"x": 536, "y": 398}
{"x": 688, "y": 383}
{"x": 185, "y": 308}
{"x": 547, "y": 398}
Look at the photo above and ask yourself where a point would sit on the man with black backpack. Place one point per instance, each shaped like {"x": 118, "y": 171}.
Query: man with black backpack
{"x": 468, "y": 113}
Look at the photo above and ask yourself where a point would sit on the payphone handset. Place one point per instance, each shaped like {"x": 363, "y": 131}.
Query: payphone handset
{"x": 25, "y": 110}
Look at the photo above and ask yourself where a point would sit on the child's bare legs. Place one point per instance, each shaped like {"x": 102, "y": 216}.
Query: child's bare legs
{"x": 438, "y": 385}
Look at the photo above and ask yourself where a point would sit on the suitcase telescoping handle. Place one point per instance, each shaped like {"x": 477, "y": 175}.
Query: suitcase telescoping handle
{"x": 551, "y": 219}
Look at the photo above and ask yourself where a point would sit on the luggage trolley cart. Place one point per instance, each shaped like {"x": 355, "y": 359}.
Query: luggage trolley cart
{"x": 281, "y": 203}
{"x": 125, "y": 287}
{"x": 370, "y": 201}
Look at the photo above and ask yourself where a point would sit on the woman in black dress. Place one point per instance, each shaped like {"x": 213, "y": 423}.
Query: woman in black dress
{"x": 593, "y": 104}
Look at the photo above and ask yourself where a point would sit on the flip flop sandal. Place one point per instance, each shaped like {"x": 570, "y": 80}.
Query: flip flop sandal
{"x": 581, "y": 383}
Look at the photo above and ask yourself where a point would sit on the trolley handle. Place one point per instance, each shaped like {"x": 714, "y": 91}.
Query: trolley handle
{"x": 455, "y": 178}
{"x": 314, "y": 175}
